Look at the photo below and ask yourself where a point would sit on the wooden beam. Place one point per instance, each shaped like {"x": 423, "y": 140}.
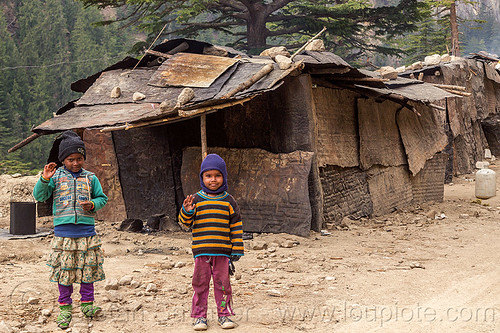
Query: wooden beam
{"x": 191, "y": 113}
{"x": 359, "y": 79}
{"x": 179, "y": 48}
{"x": 449, "y": 86}
{"x": 24, "y": 142}
{"x": 437, "y": 107}
{"x": 158, "y": 54}
{"x": 182, "y": 114}
{"x": 203, "y": 130}
{"x": 248, "y": 83}
{"x": 460, "y": 93}
{"x": 335, "y": 70}
{"x": 308, "y": 42}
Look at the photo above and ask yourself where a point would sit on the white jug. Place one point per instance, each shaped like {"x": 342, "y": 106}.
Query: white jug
{"x": 486, "y": 183}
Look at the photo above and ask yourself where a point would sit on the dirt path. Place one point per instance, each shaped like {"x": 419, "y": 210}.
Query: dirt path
{"x": 404, "y": 272}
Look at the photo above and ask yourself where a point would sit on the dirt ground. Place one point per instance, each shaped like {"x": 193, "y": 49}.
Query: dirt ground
{"x": 430, "y": 268}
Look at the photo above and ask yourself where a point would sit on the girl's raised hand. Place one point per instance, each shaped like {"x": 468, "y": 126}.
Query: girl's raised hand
{"x": 49, "y": 170}
{"x": 188, "y": 203}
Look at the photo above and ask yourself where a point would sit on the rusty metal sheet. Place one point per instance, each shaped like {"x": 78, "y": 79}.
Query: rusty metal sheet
{"x": 191, "y": 70}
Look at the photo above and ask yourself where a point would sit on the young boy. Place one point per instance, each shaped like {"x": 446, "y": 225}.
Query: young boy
{"x": 76, "y": 249}
{"x": 214, "y": 217}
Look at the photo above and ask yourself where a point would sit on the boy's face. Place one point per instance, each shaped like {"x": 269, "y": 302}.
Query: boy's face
{"x": 74, "y": 162}
{"x": 213, "y": 179}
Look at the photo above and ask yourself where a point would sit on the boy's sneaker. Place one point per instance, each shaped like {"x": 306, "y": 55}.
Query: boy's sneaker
{"x": 200, "y": 324}
{"x": 226, "y": 323}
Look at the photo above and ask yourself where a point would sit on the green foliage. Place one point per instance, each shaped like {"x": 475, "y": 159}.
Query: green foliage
{"x": 54, "y": 43}
{"x": 431, "y": 37}
{"x": 481, "y": 35}
{"x": 354, "y": 27}
{"x": 11, "y": 167}
{"x": 433, "y": 34}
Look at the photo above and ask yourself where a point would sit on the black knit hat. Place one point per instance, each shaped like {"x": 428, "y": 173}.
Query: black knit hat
{"x": 70, "y": 144}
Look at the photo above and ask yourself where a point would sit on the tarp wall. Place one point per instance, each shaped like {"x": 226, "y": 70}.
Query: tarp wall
{"x": 271, "y": 189}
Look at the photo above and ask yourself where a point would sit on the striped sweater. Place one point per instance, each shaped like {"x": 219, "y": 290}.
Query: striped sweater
{"x": 216, "y": 225}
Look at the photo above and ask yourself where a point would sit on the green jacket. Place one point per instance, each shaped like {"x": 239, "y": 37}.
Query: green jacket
{"x": 68, "y": 191}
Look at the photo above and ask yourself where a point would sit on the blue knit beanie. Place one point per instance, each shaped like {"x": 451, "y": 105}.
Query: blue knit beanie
{"x": 214, "y": 162}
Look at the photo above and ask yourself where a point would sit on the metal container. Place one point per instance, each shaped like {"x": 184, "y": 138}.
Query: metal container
{"x": 22, "y": 218}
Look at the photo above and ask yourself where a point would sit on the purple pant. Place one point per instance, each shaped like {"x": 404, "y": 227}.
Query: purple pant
{"x": 86, "y": 291}
{"x": 204, "y": 268}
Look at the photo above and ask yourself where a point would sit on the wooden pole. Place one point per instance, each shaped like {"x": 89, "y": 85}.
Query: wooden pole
{"x": 248, "y": 83}
{"x": 24, "y": 142}
{"x": 203, "y": 128}
{"x": 449, "y": 86}
{"x": 460, "y": 93}
{"x": 182, "y": 114}
{"x": 308, "y": 42}
{"x": 437, "y": 107}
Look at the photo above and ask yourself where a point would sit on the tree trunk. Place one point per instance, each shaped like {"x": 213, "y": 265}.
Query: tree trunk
{"x": 257, "y": 31}
{"x": 455, "y": 50}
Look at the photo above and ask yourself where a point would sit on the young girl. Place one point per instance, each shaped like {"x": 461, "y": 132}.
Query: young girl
{"x": 77, "y": 256}
{"x": 214, "y": 217}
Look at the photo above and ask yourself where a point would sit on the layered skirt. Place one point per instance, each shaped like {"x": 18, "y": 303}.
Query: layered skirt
{"x": 76, "y": 260}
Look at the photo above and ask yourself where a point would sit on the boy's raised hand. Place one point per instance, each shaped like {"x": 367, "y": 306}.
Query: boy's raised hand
{"x": 49, "y": 170}
{"x": 188, "y": 203}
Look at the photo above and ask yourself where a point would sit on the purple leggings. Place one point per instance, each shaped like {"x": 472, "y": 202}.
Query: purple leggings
{"x": 86, "y": 291}
{"x": 206, "y": 267}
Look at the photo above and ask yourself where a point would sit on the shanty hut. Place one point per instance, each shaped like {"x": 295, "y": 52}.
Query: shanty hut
{"x": 473, "y": 123}
{"x": 305, "y": 143}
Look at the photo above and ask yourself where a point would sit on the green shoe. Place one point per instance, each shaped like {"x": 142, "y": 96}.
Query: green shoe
{"x": 89, "y": 310}
{"x": 64, "y": 317}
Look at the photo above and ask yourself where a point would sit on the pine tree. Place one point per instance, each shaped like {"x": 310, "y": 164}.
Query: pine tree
{"x": 55, "y": 44}
{"x": 8, "y": 53}
{"x": 354, "y": 25}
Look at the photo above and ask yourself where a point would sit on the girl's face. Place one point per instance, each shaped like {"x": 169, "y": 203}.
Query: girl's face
{"x": 74, "y": 162}
{"x": 213, "y": 179}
